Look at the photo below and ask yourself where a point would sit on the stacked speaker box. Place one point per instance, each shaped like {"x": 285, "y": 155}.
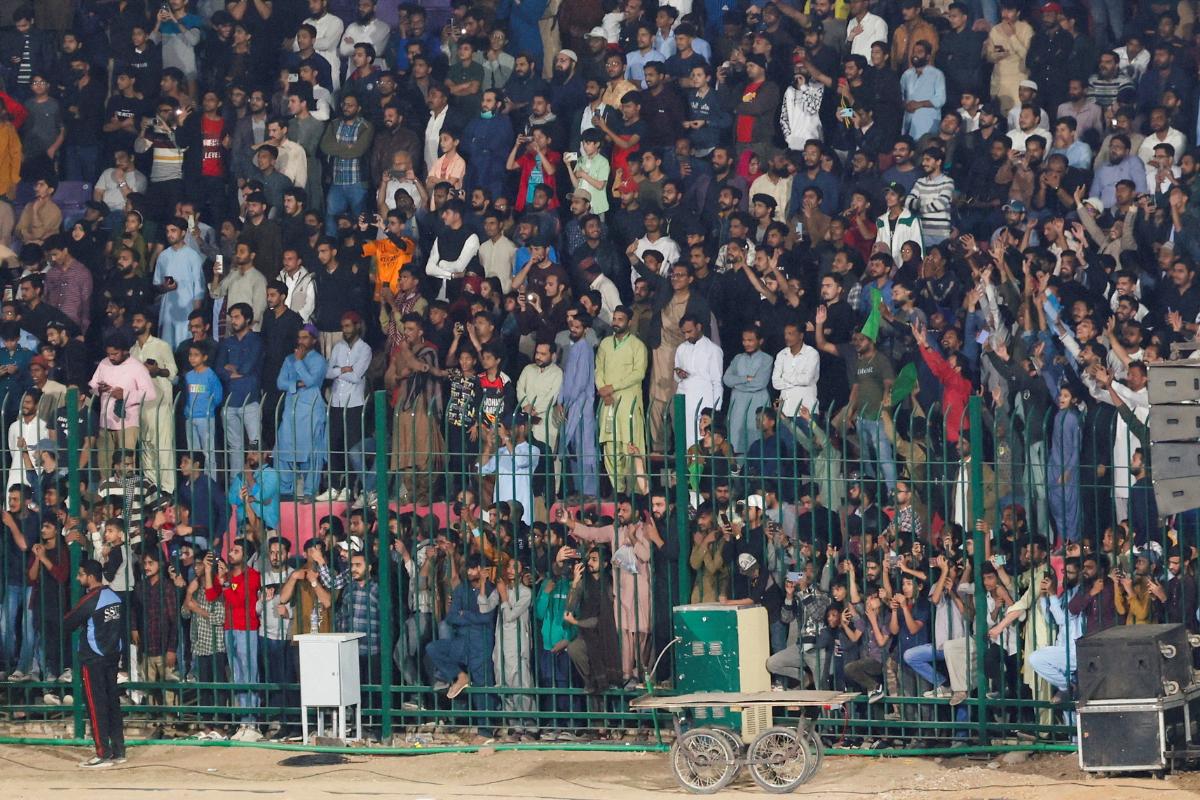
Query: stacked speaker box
{"x": 1137, "y": 698}
{"x": 1174, "y": 390}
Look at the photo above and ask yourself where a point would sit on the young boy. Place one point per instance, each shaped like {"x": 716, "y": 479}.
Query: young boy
{"x": 204, "y": 394}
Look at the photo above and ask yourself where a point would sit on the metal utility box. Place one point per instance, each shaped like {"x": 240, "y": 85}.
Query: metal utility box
{"x": 329, "y": 678}
{"x": 724, "y": 649}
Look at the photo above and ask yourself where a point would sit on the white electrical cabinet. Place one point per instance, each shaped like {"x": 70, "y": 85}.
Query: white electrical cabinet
{"x": 329, "y": 679}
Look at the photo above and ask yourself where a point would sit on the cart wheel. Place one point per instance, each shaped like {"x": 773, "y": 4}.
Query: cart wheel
{"x": 780, "y": 760}
{"x": 736, "y": 745}
{"x": 816, "y": 747}
{"x": 703, "y": 761}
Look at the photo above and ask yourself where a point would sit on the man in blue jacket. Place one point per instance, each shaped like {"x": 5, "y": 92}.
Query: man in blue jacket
{"x": 466, "y": 656}
{"x": 99, "y": 613}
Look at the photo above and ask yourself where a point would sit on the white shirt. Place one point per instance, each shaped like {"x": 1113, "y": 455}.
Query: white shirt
{"x": 375, "y": 33}
{"x": 663, "y": 244}
{"x": 329, "y": 36}
{"x": 293, "y": 162}
{"x": 1156, "y": 186}
{"x": 302, "y": 294}
{"x": 34, "y": 431}
{"x": 1135, "y": 68}
{"x": 1014, "y": 120}
{"x": 409, "y": 187}
{"x": 1172, "y": 137}
{"x": 1018, "y": 138}
{"x": 610, "y": 298}
{"x": 874, "y": 29}
{"x": 703, "y": 363}
{"x": 795, "y": 378}
{"x": 349, "y": 388}
{"x": 433, "y": 130}
{"x": 112, "y": 196}
{"x": 497, "y": 258}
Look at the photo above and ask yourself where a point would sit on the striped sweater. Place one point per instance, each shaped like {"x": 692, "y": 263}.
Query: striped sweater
{"x": 930, "y": 200}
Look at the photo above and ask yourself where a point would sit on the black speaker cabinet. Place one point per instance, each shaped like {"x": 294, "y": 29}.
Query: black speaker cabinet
{"x": 1123, "y": 736}
{"x": 1128, "y": 662}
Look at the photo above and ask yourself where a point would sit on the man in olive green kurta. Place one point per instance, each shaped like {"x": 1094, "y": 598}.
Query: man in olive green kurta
{"x": 620, "y": 370}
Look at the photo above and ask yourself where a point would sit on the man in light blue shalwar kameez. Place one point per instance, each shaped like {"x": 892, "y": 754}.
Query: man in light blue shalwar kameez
{"x": 577, "y": 403}
{"x": 748, "y": 376}
{"x": 300, "y": 444}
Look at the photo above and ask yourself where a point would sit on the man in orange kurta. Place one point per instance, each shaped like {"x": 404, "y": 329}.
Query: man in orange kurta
{"x": 630, "y": 555}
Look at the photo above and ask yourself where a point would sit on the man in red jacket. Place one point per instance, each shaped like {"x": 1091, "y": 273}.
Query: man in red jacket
{"x": 956, "y": 387}
{"x": 237, "y": 584}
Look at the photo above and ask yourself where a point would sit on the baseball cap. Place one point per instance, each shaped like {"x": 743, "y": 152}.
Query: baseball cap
{"x": 1015, "y": 206}
{"x": 353, "y": 543}
{"x": 897, "y": 187}
{"x": 746, "y": 562}
{"x": 1051, "y": 7}
{"x": 757, "y": 58}
{"x": 581, "y": 193}
{"x": 755, "y": 501}
{"x": 1096, "y": 204}
{"x": 1028, "y": 84}
{"x": 597, "y": 33}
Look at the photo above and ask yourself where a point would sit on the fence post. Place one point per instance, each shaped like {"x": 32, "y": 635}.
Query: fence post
{"x": 73, "y": 456}
{"x": 681, "y": 498}
{"x": 975, "y": 419}
{"x": 385, "y": 565}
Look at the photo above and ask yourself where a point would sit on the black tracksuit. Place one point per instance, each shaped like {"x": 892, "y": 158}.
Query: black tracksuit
{"x": 99, "y": 613}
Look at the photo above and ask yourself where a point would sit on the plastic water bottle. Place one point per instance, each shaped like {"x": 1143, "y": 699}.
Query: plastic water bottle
{"x": 314, "y": 620}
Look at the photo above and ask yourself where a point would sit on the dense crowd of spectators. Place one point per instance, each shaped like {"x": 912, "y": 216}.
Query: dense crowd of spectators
{"x": 826, "y": 225}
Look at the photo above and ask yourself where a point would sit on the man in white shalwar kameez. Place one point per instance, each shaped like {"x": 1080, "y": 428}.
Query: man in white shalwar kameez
{"x": 699, "y": 368}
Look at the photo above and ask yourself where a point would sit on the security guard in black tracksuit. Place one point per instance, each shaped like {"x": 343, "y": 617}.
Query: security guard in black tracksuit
{"x": 100, "y": 613}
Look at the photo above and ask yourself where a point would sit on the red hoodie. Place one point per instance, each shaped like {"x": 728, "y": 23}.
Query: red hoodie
{"x": 956, "y": 390}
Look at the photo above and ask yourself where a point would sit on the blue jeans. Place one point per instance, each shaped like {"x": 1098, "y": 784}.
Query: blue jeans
{"x": 1051, "y": 663}
{"x": 242, "y": 647}
{"x": 922, "y": 659}
{"x": 876, "y": 450}
{"x": 360, "y": 457}
{"x": 81, "y": 162}
{"x": 242, "y": 424}
{"x": 202, "y": 436}
{"x": 1107, "y": 15}
{"x": 350, "y": 199}
{"x": 28, "y": 660}
{"x": 309, "y": 470}
{"x": 12, "y": 595}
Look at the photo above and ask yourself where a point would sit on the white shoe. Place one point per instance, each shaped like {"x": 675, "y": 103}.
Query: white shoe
{"x": 122, "y": 677}
{"x": 51, "y": 699}
{"x": 17, "y": 676}
{"x": 326, "y": 496}
{"x": 251, "y": 734}
{"x": 237, "y": 736}
{"x": 66, "y": 676}
{"x": 68, "y": 699}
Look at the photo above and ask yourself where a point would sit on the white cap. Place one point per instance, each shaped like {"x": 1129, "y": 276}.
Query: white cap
{"x": 597, "y": 33}
{"x": 1028, "y": 84}
{"x": 1096, "y": 203}
{"x": 755, "y": 501}
{"x": 354, "y": 544}
{"x": 569, "y": 54}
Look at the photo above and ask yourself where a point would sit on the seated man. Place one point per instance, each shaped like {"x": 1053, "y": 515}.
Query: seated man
{"x": 466, "y": 656}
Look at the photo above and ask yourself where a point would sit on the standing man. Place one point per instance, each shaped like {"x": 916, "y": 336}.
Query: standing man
{"x": 538, "y": 388}
{"x": 748, "y": 376}
{"x": 238, "y": 584}
{"x": 123, "y": 385}
{"x": 347, "y": 368}
{"x": 157, "y": 435}
{"x": 797, "y": 370}
{"x": 698, "y": 362}
{"x": 576, "y": 407}
{"x": 621, "y": 362}
{"x": 239, "y": 362}
{"x": 346, "y": 141}
{"x": 68, "y": 283}
{"x": 100, "y": 613}
{"x": 179, "y": 277}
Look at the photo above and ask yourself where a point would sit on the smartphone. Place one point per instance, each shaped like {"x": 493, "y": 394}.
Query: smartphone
{"x": 793, "y": 577}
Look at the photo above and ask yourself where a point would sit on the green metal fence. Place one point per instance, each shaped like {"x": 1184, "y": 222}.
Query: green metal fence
{"x": 414, "y": 462}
